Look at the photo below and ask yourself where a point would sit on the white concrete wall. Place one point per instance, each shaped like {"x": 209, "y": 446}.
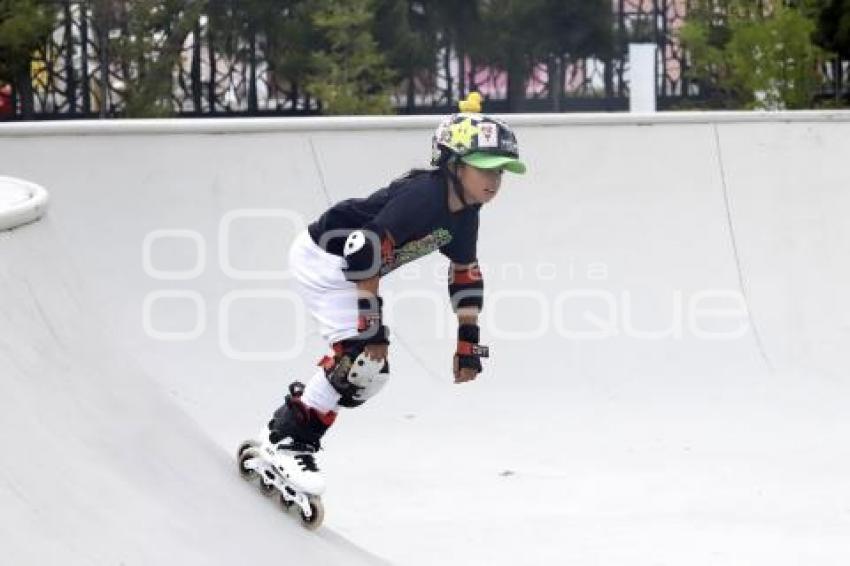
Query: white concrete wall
{"x": 649, "y": 199}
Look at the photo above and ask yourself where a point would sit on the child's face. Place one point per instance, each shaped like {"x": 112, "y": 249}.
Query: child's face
{"x": 481, "y": 185}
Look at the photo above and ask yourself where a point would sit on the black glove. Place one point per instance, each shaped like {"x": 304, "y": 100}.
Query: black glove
{"x": 369, "y": 322}
{"x": 469, "y": 352}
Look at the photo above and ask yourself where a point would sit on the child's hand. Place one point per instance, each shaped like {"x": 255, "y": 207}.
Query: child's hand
{"x": 462, "y": 375}
{"x": 467, "y": 358}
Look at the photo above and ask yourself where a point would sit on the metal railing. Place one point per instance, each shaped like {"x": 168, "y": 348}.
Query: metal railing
{"x": 81, "y": 72}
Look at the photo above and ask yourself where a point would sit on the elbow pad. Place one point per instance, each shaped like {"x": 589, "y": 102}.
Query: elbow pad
{"x": 362, "y": 253}
{"x": 466, "y": 288}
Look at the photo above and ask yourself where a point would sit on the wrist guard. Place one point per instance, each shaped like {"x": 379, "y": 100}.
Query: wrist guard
{"x": 469, "y": 351}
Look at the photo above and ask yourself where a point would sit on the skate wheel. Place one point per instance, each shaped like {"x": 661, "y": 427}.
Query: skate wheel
{"x": 244, "y": 456}
{"x": 285, "y": 503}
{"x": 266, "y": 488}
{"x": 245, "y": 446}
{"x": 318, "y": 514}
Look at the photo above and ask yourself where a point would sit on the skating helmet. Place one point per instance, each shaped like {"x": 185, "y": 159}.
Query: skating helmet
{"x": 476, "y": 139}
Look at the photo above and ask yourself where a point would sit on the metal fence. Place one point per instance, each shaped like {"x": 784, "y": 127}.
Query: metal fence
{"x": 78, "y": 74}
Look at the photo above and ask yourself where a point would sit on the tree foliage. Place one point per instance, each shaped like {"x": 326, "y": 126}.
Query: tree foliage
{"x": 320, "y": 48}
{"x": 351, "y": 56}
{"x": 833, "y": 26}
{"x": 349, "y": 74}
{"x": 24, "y": 26}
{"x": 149, "y": 50}
{"x": 283, "y": 29}
{"x": 753, "y": 55}
{"x": 515, "y": 35}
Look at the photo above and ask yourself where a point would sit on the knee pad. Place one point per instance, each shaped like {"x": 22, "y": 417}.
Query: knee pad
{"x": 353, "y": 375}
{"x": 368, "y": 376}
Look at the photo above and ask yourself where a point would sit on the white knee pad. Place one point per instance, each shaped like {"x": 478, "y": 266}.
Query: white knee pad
{"x": 366, "y": 374}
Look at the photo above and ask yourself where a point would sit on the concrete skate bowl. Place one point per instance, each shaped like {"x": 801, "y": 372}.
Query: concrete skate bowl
{"x": 665, "y": 306}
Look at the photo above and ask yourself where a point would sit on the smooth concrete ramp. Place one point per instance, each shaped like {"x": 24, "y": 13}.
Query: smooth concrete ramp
{"x": 665, "y": 304}
{"x": 100, "y": 467}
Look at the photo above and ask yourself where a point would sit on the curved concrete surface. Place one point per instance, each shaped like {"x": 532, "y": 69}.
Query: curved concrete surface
{"x": 101, "y": 467}
{"x": 665, "y": 305}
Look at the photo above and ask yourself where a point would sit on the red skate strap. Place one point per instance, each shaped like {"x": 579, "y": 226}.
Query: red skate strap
{"x": 327, "y": 418}
{"x": 328, "y": 362}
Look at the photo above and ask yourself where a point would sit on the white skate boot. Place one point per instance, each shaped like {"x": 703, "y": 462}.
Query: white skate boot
{"x": 284, "y": 457}
{"x": 296, "y": 463}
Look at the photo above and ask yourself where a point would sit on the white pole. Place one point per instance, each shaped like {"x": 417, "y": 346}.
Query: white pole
{"x": 642, "y": 77}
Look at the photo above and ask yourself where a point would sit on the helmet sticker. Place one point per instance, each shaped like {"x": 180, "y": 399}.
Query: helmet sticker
{"x": 462, "y": 133}
{"x": 443, "y": 134}
{"x": 488, "y": 135}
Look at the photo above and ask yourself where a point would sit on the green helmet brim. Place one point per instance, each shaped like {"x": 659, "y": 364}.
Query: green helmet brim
{"x": 490, "y": 161}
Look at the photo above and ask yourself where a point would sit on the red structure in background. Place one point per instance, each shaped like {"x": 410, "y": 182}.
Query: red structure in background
{"x": 6, "y": 108}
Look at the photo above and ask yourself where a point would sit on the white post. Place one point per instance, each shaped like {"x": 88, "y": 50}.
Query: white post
{"x": 642, "y": 77}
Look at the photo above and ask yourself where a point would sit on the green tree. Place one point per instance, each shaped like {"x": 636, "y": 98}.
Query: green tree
{"x": 279, "y": 31}
{"x": 509, "y": 40}
{"x": 290, "y": 41}
{"x": 833, "y": 34}
{"x": 753, "y": 55}
{"x": 572, "y": 30}
{"x": 516, "y": 35}
{"x": 149, "y": 49}
{"x": 24, "y": 27}
{"x": 833, "y": 26}
{"x": 404, "y": 36}
{"x": 459, "y": 31}
{"x": 349, "y": 74}
{"x": 426, "y": 40}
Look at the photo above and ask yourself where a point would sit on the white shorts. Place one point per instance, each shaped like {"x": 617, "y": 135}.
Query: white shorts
{"x": 330, "y": 298}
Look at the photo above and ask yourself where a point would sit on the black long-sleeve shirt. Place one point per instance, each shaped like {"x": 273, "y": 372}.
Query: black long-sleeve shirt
{"x": 412, "y": 219}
